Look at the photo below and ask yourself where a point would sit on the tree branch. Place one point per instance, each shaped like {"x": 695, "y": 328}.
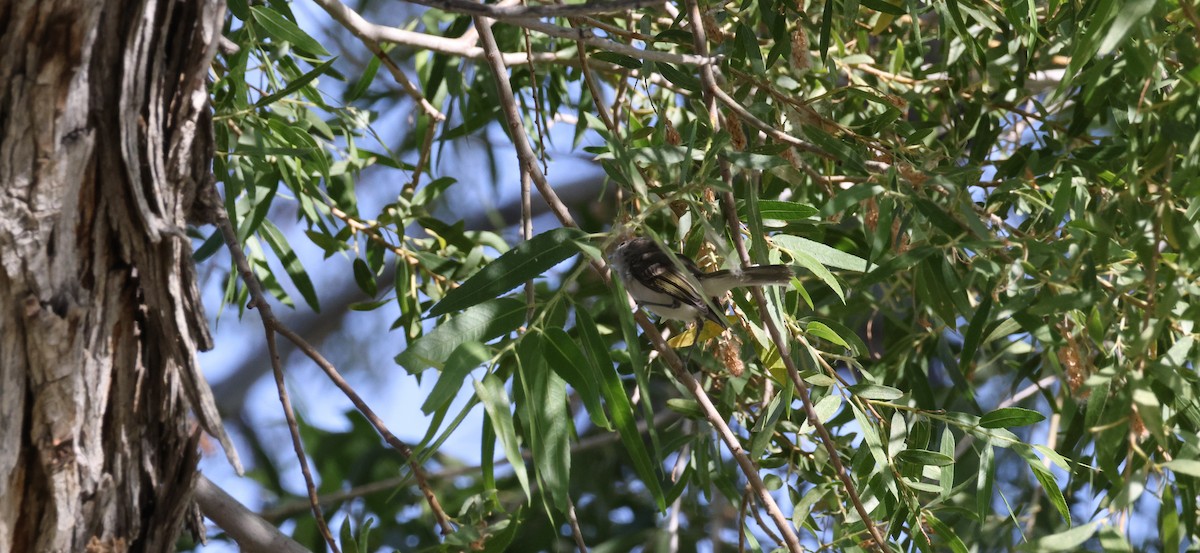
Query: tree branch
{"x": 258, "y": 299}
{"x": 505, "y": 13}
{"x": 529, "y": 162}
{"x": 251, "y": 532}
{"x": 273, "y": 325}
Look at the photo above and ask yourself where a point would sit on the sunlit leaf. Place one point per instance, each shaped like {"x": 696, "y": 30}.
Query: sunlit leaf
{"x": 528, "y": 260}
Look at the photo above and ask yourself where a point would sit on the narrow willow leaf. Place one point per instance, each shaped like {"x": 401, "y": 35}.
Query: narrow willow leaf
{"x": 364, "y": 277}
{"x": 827, "y": 255}
{"x": 876, "y": 391}
{"x": 945, "y": 533}
{"x": 1069, "y": 540}
{"x": 809, "y": 262}
{"x": 1131, "y": 12}
{"x": 283, "y": 28}
{"x": 946, "y": 479}
{"x": 780, "y": 210}
{"x": 619, "y": 407}
{"x": 465, "y": 358}
{"x": 291, "y": 263}
{"x": 985, "y": 483}
{"x": 209, "y": 247}
{"x": 1050, "y": 485}
{"x": 925, "y": 457}
{"x": 870, "y": 438}
{"x": 495, "y": 399}
{"x": 566, "y": 359}
{"x": 883, "y": 6}
{"x": 480, "y": 323}
{"x": 1190, "y": 467}
{"x": 618, "y": 59}
{"x": 297, "y": 84}
{"x": 527, "y": 261}
{"x": 821, "y": 330}
{"x": 825, "y": 409}
{"x": 1010, "y": 417}
{"x": 804, "y": 507}
{"x": 764, "y": 429}
{"x": 853, "y": 342}
{"x": 364, "y": 81}
{"x": 1111, "y": 541}
{"x": 974, "y": 332}
{"x": 550, "y": 434}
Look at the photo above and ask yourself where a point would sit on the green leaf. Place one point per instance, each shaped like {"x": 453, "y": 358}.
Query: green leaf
{"x": 495, "y": 399}
{"x": 946, "y": 478}
{"x": 291, "y": 263}
{"x": 618, "y": 59}
{"x": 945, "y": 533}
{"x": 283, "y": 28}
{"x": 364, "y": 277}
{"x": 827, "y": 255}
{"x": 974, "y": 332}
{"x": 809, "y": 262}
{"x": 1010, "y": 417}
{"x": 876, "y": 392}
{"x": 1053, "y": 492}
{"x": 1069, "y": 540}
{"x": 821, "y": 330}
{"x": 1131, "y": 13}
{"x": 883, "y": 6}
{"x": 782, "y": 211}
{"x": 296, "y": 84}
{"x": 619, "y": 407}
{"x": 464, "y": 359}
{"x": 925, "y": 457}
{"x": 985, "y": 482}
{"x": 209, "y": 247}
{"x": 568, "y": 361}
{"x": 528, "y": 260}
{"x": 1190, "y": 467}
{"x": 480, "y": 323}
{"x": 854, "y": 343}
{"x": 363, "y": 82}
{"x": 1111, "y": 541}
{"x": 825, "y": 408}
{"x": 552, "y": 427}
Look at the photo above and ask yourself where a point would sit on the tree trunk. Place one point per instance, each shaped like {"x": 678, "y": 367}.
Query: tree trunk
{"x": 105, "y": 141}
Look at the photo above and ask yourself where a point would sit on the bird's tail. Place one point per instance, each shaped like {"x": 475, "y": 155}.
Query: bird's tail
{"x": 719, "y": 282}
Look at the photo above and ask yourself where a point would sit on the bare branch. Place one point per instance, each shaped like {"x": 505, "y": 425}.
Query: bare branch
{"x": 505, "y": 13}
{"x": 251, "y": 532}
{"x": 529, "y": 163}
{"x": 259, "y": 300}
{"x": 364, "y": 30}
{"x": 272, "y": 325}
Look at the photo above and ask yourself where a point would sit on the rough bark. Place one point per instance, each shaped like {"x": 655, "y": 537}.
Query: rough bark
{"x": 105, "y": 136}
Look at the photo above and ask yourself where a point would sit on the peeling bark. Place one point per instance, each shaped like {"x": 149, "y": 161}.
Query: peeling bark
{"x": 105, "y": 137}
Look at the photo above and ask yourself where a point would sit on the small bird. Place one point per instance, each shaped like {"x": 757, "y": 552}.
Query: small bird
{"x": 673, "y": 287}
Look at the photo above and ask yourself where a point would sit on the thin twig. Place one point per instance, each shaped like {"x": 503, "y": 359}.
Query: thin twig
{"x": 709, "y": 83}
{"x": 372, "y": 34}
{"x": 590, "y": 443}
{"x": 272, "y": 325}
{"x": 362, "y": 29}
{"x": 361, "y": 406}
{"x": 526, "y": 156}
{"x": 507, "y": 13}
{"x": 259, "y": 300}
{"x": 576, "y": 531}
{"x": 729, "y": 204}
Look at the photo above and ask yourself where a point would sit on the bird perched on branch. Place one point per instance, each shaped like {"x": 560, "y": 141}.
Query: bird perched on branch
{"x": 671, "y": 286}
